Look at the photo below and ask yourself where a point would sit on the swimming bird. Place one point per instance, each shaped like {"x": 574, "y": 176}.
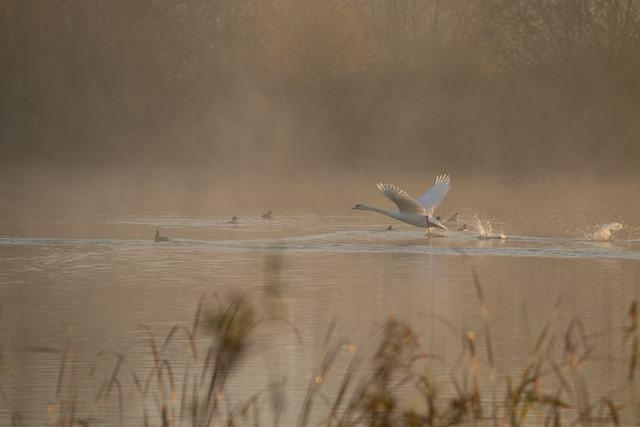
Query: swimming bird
{"x": 266, "y": 215}
{"x": 159, "y": 238}
{"x": 417, "y": 212}
{"x": 234, "y": 220}
{"x": 453, "y": 218}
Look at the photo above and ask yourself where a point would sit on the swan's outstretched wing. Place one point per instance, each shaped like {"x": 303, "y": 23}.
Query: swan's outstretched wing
{"x": 405, "y": 202}
{"x": 432, "y": 198}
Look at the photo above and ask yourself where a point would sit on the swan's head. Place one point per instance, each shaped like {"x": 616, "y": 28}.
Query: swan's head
{"x": 359, "y": 206}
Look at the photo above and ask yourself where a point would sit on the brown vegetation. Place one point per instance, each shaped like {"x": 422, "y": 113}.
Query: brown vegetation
{"x": 392, "y": 385}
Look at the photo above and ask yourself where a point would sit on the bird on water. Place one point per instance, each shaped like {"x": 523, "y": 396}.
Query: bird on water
{"x": 159, "y": 238}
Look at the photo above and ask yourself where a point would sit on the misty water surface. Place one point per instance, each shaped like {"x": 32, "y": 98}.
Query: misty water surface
{"x": 101, "y": 277}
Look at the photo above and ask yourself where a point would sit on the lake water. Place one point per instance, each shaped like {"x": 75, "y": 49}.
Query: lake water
{"x": 100, "y": 282}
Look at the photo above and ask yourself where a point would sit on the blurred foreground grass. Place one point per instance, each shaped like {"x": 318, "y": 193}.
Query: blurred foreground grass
{"x": 390, "y": 385}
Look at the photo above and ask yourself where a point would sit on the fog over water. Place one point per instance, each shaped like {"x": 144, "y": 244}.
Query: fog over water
{"x": 200, "y": 104}
{"x": 551, "y": 204}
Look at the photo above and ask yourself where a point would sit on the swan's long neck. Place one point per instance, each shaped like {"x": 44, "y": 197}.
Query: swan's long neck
{"x": 382, "y": 211}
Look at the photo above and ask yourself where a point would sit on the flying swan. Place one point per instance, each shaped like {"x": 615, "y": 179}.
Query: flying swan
{"x": 418, "y": 212}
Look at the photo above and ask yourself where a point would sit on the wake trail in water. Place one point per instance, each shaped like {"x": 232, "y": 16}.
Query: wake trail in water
{"x": 358, "y": 242}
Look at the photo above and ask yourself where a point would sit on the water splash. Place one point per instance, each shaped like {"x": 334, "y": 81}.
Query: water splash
{"x": 485, "y": 230}
{"x": 604, "y": 232}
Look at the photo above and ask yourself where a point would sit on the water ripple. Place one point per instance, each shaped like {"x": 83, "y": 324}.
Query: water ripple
{"x": 370, "y": 242}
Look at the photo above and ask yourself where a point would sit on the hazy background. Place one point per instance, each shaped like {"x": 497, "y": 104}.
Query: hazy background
{"x": 119, "y": 117}
{"x": 189, "y": 103}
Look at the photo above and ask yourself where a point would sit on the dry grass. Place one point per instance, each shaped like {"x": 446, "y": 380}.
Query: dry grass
{"x": 392, "y": 385}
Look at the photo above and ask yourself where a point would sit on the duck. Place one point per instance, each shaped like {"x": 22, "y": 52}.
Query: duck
{"x": 159, "y": 238}
{"x": 266, "y": 215}
{"x": 234, "y": 220}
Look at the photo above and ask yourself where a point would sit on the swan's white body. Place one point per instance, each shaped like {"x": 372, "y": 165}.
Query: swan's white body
{"x": 417, "y": 212}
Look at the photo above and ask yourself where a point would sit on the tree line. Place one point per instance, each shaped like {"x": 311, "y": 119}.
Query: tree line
{"x": 538, "y": 84}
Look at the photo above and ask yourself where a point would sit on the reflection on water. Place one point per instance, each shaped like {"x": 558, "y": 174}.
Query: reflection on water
{"x": 340, "y": 268}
